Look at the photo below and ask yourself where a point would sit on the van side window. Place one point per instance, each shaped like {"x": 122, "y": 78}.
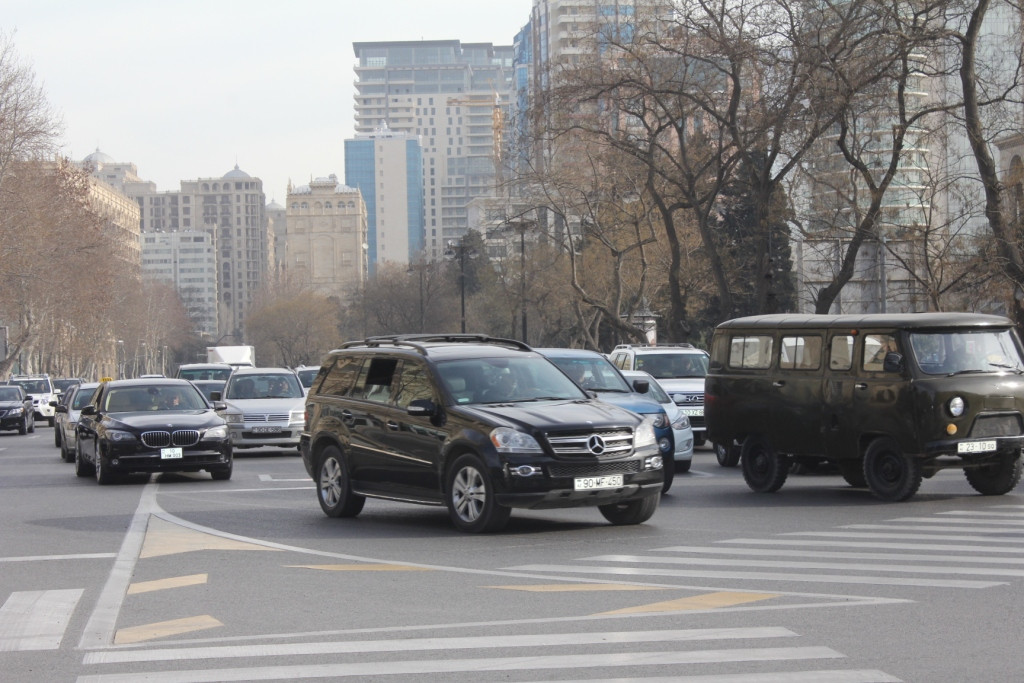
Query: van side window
{"x": 875, "y": 348}
{"x": 751, "y": 352}
{"x": 841, "y": 354}
{"x": 800, "y": 353}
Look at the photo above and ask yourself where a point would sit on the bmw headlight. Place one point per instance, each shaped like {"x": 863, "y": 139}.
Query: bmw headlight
{"x": 508, "y": 440}
{"x": 644, "y": 435}
{"x": 118, "y": 436}
{"x": 955, "y": 406}
{"x": 218, "y": 432}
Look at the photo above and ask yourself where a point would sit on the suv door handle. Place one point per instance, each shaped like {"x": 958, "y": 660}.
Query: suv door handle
{"x": 392, "y": 425}
{"x": 860, "y": 385}
{"x": 778, "y": 383}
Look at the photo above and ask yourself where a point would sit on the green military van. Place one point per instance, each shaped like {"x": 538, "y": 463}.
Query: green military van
{"x": 889, "y": 399}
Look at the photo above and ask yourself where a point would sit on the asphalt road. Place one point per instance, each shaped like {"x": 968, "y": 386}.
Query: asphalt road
{"x": 180, "y": 578}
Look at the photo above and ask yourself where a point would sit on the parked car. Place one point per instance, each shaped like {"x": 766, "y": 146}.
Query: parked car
{"x": 887, "y": 399}
{"x": 66, "y": 417}
{"x": 16, "y": 411}
{"x": 595, "y": 373}
{"x": 681, "y": 431}
{"x": 150, "y": 425}
{"x": 41, "y": 391}
{"x": 264, "y": 408}
{"x": 477, "y": 424}
{"x": 679, "y": 368}
{"x": 194, "y": 371}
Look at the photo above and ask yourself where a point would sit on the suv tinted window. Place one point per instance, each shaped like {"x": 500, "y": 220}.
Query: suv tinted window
{"x": 413, "y": 384}
{"x": 374, "y": 382}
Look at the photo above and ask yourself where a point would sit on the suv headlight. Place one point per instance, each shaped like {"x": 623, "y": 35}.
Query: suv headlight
{"x": 508, "y": 440}
{"x": 956, "y": 406}
{"x": 17, "y": 411}
{"x": 644, "y": 435}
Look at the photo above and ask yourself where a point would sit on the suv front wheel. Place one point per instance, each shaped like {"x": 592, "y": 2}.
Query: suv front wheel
{"x": 334, "y": 488}
{"x": 632, "y": 512}
{"x": 470, "y": 499}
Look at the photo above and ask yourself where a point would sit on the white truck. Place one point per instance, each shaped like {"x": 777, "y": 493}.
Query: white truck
{"x": 237, "y": 356}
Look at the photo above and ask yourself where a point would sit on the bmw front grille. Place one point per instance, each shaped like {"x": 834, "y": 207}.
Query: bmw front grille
{"x": 181, "y": 437}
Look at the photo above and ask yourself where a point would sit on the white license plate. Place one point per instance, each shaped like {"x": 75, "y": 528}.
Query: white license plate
{"x": 693, "y": 412}
{"x": 170, "y": 453}
{"x": 587, "y": 483}
{"x": 975, "y": 446}
{"x": 266, "y": 430}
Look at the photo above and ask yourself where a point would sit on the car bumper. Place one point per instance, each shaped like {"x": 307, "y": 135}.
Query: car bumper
{"x": 150, "y": 461}
{"x": 12, "y": 422}
{"x": 567, "y": 497}
{"x": 248, "y": 437}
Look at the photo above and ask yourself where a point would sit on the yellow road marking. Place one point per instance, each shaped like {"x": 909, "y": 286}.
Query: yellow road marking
{"x": 163, "y": 584}
{"x": 707, "y": 601}
{"x": 162, "y": 629}
{"x": 165, "y": 538}
{"x": 362, "y": 567}
{"x": 573, "y": 587}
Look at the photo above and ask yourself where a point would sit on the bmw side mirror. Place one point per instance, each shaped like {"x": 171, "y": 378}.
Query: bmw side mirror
{"x": 422, "y": 407}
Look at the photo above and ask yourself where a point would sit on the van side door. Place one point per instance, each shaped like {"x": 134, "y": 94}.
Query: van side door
{"x": 839, "y": 435}
{"x": 796, "y": 394}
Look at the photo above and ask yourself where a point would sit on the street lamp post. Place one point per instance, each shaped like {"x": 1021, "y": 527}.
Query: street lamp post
{"x": 460, "y": 251}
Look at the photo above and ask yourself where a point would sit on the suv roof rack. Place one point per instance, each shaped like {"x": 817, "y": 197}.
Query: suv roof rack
{"x": 417, "y": 341}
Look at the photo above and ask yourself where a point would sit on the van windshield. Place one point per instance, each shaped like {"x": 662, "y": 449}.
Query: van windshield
{"x": 951, "y": 353}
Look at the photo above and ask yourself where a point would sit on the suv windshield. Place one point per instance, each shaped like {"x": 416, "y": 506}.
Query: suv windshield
{"x": 505, "y": 380}
{"x": 672, "y": 365}
{"x": 205, "y": 373}
{"x": 950, "y": 353}
{"x": 33, "y": 386}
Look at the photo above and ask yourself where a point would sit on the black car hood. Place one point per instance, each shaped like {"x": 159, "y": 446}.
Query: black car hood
{"x": 162, "y": 419}
{"x": 7, "y": 405}
{"x": 551, "y": 415}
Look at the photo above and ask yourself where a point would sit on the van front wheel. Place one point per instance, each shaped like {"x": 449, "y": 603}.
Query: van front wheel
{"x": 998, "y": 478}
{"x": 727, "y": 455}
{"x": 891, "y": 474}
{"x": 764, "y": 469}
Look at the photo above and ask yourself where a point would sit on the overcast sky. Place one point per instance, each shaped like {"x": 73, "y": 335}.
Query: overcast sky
{"x": 187, "y": 89}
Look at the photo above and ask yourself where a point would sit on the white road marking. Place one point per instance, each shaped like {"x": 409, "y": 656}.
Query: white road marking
{"x": 835, "y": 554}
{"x": 47, "y": 558}
{"x": 36, "y": 620}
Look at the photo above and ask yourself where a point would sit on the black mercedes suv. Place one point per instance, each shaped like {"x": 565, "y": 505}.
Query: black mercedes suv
{"x": 478, "y": 424}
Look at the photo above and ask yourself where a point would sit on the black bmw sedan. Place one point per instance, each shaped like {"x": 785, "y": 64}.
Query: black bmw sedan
{"x": 150, "y": 425}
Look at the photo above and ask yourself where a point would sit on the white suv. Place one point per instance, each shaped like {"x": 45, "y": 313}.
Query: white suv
{"x": 41, "y": 390}
{"x": 680, "y": 370}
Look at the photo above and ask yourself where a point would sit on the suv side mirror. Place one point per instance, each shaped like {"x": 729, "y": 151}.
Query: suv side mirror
{"x": 422, "y": 407}
{"x": 59, "y": 407}
{"x": 641, "y": 386}
{"x": 88, "y": 410}
{"x": 893, "y": 362}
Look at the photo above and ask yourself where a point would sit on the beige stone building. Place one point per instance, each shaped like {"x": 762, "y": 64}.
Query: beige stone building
{"x": 325, "y": 246}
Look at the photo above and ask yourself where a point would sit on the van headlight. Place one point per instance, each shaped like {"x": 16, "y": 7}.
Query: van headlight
{"x": 955, "y": 406}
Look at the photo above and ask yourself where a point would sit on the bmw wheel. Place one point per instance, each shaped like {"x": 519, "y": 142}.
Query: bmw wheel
{"x": 82, "y": 468}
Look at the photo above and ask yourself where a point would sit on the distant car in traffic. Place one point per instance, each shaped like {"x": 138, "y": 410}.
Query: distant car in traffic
{"x": 62, "y": 384}
{"x": 264, "y": 408}
{"x": 209, "y": 386}
{"x": 65, "y": 419}
{"x": 306, "y": 375}
{"x": 16, "y": 411}
{"x": 150, "y": 425}
{"x": 194, "y": 371}
{"x": 41, "y": 391}
{"x": 681, "y": 430}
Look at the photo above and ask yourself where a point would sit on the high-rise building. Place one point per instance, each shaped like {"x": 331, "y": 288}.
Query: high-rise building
{"x": 187, "y": 261}
{"x": 454, "y": 96}
{"x": 386, "y": 167}
{"x": 325, "y": 244}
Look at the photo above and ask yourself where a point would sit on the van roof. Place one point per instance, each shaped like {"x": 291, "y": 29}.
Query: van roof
{"x": 900, "y": 320}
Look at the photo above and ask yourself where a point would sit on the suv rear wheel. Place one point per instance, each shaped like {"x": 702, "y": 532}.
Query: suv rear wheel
{"x": 470, "y": 498}
{"x": 334, "y": 488}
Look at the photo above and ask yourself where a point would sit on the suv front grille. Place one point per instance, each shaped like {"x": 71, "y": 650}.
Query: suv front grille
{"x": 182, "y": 437}
{"x": 600, "y": 444}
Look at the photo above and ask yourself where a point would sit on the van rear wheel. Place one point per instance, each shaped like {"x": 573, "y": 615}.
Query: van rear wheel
{"x": 891, "y": 474}
{"x": 853, "y": 473}
{"x": 998, "y": 478}
{"x": 764, "y": 469}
